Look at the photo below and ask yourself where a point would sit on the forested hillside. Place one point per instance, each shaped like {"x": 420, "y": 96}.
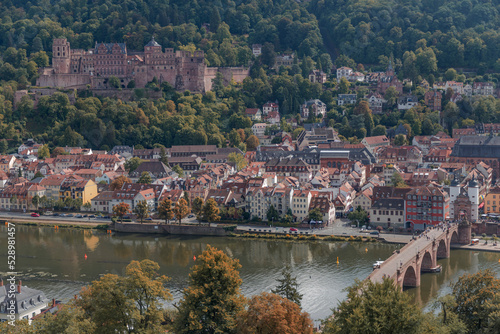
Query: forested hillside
{"x": 460, "y": 33}
{"x": 424, "y": 39}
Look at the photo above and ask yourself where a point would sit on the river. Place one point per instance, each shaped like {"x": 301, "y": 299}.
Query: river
{"x": 53, "y": 260}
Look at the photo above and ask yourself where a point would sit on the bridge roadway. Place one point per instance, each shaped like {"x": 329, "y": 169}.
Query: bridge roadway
{"x": 420, "y": 255}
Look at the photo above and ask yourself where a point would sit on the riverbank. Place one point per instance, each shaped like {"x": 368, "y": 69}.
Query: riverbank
{"x": 481, "y": 247}
{"x": 301, "y": 237}
{"x": 52, "y": 223}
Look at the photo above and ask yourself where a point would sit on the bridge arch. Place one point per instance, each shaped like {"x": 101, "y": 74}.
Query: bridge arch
{"x": 454, "y": 238}
{"x": 427, "y": 262}
{"x": 411, "y": 277}
{"x": 443, "y": 249}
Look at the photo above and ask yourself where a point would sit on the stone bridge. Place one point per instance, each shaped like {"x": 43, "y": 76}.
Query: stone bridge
{"x": 420, "y": 255}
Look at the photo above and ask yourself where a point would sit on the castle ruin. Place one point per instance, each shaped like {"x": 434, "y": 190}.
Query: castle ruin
{"x": 79, "y": 68}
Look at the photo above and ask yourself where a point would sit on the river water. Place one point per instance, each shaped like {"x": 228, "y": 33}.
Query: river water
{"x": 54, "y": 261}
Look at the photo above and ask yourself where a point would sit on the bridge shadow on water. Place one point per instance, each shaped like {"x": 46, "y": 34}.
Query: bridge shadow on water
{"x": 434, "y": 285}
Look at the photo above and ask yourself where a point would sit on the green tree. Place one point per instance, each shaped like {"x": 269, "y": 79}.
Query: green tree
{"x": 272, "y": 214}
{"x": 145, "y": 178}
{"x": 379, "y": 130}
{"x": 43, "y": 152}
{"x": 358, "y": 216}
{"x": 391, "y": 96}
{"x": 132, "y": 164}
{"x": 129, "y": 304}
{"x": 373, "y": 308}
{"x": 3, "y": 146}
{"x": 215, "y": 19}
{"x": 142, "y": 210}
{"x": 114, "y": 82}
{"x": 288, "y": 287}
{"x": 398, "y": 181}
{"x": 211, "y": 211}
{"x": 268, "y": 56}
{"x": 238, "y": 160}
{"x": 474, "y": 294}
{"x": 450, "y": 74}
{"x": 315, "y": 214}
{"x": 211, "y": 305}
{"x": 163, "y": 156}
{"x": 37, "y": 175}
{"x": 87, "y": 206}
{"x": 234, "y": 138}
{"x": 400, "y": 140}
{"x": 178, "y": 170}
{"x": 35, "y": 201}
{"x": 343, "y": 86}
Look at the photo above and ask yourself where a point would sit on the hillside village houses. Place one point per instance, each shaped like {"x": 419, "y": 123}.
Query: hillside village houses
{"x": 333, "y": 180}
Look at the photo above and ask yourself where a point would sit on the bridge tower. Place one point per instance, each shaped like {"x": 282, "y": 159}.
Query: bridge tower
{"x": 464, "y": 232}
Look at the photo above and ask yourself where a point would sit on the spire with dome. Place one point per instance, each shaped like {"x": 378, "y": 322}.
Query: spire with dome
{"x": 153, "y": 42}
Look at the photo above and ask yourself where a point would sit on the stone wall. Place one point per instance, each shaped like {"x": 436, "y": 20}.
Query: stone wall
{"x": 169, "y": 229}
{"x": 64, "y": 80}
{"x": 238, "y": 74}
{"x": 489, "y": 228}
{"x": 125, "y": 94}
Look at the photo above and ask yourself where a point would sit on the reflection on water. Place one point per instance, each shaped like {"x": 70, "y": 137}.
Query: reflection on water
{"x": 54, "y": 261}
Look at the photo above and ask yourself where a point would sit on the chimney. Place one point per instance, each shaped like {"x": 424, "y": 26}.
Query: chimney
{"x": 53, "y": 302}
{"x": 19, "y": 286}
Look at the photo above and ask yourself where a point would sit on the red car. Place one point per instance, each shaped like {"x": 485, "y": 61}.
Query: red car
{"x": 34, "y": 214}
{"x": 293, "y": 229}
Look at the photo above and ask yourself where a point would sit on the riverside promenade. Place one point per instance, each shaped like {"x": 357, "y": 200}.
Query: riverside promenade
{"x": 421, "y": 254}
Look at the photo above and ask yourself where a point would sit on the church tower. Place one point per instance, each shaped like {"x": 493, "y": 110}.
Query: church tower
{"x": 61, "y": 56}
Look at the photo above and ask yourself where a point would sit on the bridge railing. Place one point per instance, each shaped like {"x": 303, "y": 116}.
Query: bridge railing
{"x": 402, "y": 249}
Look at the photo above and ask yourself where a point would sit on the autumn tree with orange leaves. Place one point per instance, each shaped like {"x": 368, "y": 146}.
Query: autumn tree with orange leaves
{"x": 269, "y": 313}
{"x": 121, "y": 210}
{"x": 117, "y": 183}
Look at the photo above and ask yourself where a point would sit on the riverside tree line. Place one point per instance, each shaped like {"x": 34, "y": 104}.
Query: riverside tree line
{"x": 213, "y": 303}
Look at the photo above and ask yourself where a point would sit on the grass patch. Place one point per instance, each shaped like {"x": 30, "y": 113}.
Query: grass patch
{"x": 301, "y": 237}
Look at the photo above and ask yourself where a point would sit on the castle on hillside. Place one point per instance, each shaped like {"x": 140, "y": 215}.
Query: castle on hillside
{"x": 184, "y": 70}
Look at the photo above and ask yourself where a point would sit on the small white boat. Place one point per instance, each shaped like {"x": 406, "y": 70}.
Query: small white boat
{"x": 377, "y": 264}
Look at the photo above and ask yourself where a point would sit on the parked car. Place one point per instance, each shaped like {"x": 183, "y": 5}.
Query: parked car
{"x": 293, "y": 229}
{"x": 55, "y": 214}
{"x": 149, "y": 218}
{"x": 34, "y": 214}
{"x": 106, "y": 217}
{"x": 62, "y": 215}
{"x": 190, "y": 216}
{"x": 91, "y": 216}
{"x": 78, "y": 216}
{"x": 374, "y": 233}
{"x": 69, "y": 215}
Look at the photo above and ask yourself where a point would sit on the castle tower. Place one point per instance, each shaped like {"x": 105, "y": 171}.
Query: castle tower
{"x": 61, "y": 56}
{"x": 153, "y": 47}
{"x": 473, "y": 192}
